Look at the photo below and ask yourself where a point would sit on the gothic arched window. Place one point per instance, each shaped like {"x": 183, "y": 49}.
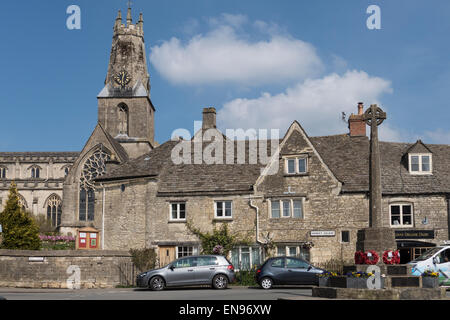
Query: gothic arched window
{"x": 35, "y": 172}
{"x": 22, "y": 202}
{"x": 94, "y": 166}
{"x": 123, "y": 119}
{"x": 54, "y": 210}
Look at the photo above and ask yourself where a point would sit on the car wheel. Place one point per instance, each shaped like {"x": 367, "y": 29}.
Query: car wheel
{"x": 157, "y": 283}
{"x": 266, "y": 283}
{"x": 220, "y": 281}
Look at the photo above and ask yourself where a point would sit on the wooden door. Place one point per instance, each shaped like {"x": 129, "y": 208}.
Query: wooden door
{"x": 166, "y": 255}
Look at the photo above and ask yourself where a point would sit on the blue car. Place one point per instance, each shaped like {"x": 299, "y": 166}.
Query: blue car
{"x": 287, "y": 271}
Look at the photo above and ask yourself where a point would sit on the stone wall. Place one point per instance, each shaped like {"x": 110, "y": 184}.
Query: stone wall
{"x": 49, "y": 269}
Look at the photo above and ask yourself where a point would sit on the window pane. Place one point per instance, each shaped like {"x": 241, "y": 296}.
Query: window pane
{"x": 292, "y": 251}
{"x": 182, "y": 211}
{"x": 281, "y": 250}
{"x": 286, "y": 208}
{"x": 206, "y": 261}
{"x": 235, "y": 257}
{"x": 407, "y": 220}
{"x": 82, "y": 211}
{"x": 256, "y": 260}
{"x": 414, "y": 163}
{"x": 302, "y": 165}
{"x": 275, "y": 209}
{"x": 425, "y": 163}
{"x": 296, "y": 263}
{"x": 345, "y": 236}
{"x": 59, "y": 211}
{"x": 245, "y": 259}
{"x": 278, "y": 263}
{"x": 219, "y": 209}
{"x": 291, "y": 166}
{"x": 406, "y": 209}
{"x": 91, "y": 204}
{"x": 228, "y": 208}
{"x": 395, "y": 210}
{"x": 174, "y": 211}
{"x": 298, "y": 213}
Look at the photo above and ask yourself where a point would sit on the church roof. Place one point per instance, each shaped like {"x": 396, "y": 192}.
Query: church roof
{"x": 347, "y": 157}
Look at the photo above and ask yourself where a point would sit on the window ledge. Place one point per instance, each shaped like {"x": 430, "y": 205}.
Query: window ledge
{"x": 218, "y": 219}
{"x": 296, "y": 174}
{"x": 177, "y": 221}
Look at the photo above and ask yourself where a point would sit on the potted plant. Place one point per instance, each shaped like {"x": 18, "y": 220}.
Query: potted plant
{"x": 325, "y": 277}
{"x": 430, "y": 279}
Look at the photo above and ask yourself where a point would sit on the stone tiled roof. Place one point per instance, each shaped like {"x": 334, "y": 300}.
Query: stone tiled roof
{"x": 41, "y": 154}
{"x": 347, "y": 157}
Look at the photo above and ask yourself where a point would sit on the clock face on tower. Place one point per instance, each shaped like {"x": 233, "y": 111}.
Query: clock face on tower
{"x": 122, "y": 78}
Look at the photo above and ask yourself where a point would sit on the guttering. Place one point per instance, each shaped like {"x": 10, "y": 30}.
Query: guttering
{"x": 250, "y": 203}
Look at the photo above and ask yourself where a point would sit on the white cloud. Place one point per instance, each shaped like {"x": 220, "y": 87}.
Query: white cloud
{"x": 225, "y": 54}
{"x": 438, "y": 136}
{"x": 316, "y": 103}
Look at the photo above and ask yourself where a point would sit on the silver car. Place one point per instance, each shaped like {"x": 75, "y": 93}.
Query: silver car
{"x": 212, "y": 270}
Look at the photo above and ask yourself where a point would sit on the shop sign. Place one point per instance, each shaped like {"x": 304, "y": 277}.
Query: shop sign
{"x": 414, "y": 234}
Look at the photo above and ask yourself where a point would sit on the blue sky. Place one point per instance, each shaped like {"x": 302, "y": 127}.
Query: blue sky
{"x": 288, "y": 60}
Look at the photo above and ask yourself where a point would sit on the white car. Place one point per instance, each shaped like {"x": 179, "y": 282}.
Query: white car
{"x": 436, "y": 259}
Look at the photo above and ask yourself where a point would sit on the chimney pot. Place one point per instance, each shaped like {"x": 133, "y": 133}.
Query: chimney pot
{"x": 356, "y": 123}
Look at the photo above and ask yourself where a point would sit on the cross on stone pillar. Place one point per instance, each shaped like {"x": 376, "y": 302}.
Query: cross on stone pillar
{"x": 374, "y": 116}
{"x": 375, "y": 237}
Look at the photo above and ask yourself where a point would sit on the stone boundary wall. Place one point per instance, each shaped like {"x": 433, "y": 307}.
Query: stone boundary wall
{"x": 62, "y": 269}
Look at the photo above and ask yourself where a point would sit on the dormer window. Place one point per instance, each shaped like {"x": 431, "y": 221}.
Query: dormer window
{"x": 296, "y": 165}
{"x": 420, "y": 163}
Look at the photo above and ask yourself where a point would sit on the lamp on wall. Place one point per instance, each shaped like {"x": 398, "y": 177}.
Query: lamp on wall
{"x": 425, "y": 221}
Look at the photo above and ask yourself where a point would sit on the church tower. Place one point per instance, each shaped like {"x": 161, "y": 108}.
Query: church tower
{"x": 125, "y": 110}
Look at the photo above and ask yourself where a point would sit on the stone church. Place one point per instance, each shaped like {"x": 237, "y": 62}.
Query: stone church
{"x": 128, "y": 188}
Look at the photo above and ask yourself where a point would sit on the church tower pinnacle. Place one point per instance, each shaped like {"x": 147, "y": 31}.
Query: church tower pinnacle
{"x": 125, "y": 110}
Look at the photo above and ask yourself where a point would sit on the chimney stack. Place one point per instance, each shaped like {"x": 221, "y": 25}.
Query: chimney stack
{"x": 209, "y": 118}
{"x": 356, "y": 123}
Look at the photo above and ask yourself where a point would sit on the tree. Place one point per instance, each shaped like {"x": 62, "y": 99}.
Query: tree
{"x": 19, "y": 229}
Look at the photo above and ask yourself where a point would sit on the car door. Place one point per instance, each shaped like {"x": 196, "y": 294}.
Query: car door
{"x": 181, "y": 272}
{"x": 443, "y": 266}
{"x": 297, "y": 272}
{"x": 277, "y": 270}
{"x": 205, "y": 269}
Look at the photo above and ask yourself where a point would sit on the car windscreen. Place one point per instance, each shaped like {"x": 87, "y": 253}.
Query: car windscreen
{"x": 428, "y": 254}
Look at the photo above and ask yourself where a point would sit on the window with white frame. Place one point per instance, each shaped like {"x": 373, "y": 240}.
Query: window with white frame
{"x": 178, "y": 211}
{"x": 185, "y": 251}
{"x": 296, "y": 165}
{"x": 287, "y": 208}
{"x": 245, "y": 258}
{"x": 293, "y": 251}
{"x": 401, "y": 214}
{"x": 223, "y": 209}
{"x": 420, "y": 163}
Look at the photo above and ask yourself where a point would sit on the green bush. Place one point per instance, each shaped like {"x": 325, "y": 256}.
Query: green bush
{"x": 144, "y": 259}
{"x": 246, "y": 278}
{"x": 20, "y": 231}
